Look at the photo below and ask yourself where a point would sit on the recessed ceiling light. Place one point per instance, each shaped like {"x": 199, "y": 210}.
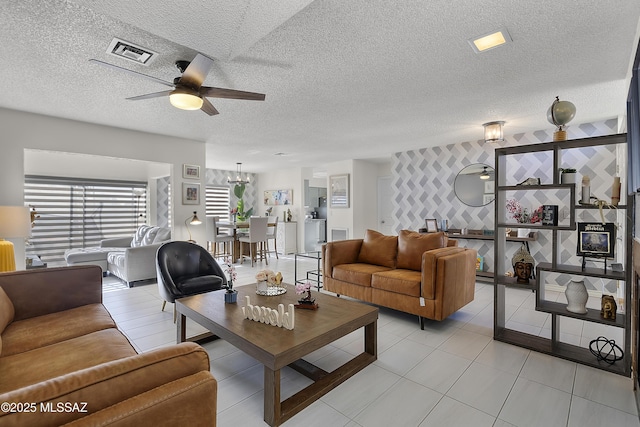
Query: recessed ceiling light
{"x": 491, "y": 40}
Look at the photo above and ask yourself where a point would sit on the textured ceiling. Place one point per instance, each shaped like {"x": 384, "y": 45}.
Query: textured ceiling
{"x": 351, "y": 79}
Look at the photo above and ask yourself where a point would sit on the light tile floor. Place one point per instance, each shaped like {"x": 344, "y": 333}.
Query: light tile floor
{"x": 451, "y": 374}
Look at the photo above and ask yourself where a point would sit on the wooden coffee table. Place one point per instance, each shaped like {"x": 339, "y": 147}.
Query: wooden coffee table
{"x": 277, "y": 347}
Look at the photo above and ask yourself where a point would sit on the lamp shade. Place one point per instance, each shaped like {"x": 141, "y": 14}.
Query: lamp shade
{"x": 15, "y": 222}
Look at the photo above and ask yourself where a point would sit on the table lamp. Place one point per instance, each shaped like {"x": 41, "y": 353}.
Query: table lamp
{"x": 193, "y": 220}
{"x": 15, "y": 222}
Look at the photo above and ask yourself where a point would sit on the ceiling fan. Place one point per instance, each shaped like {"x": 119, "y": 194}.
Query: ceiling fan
{"x": 188, "y": 92}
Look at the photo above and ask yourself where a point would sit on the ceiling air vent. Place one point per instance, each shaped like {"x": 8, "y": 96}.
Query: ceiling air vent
{"x": 130, "y": 51}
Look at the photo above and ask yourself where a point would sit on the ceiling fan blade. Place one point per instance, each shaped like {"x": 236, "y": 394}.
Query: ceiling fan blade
{"x": 208, "y": 108}
{"x": 106, "y": 64}
{"x": 197, "y": 71}
{"x": 216, "y": 92}
{"x": 150, "y": 95}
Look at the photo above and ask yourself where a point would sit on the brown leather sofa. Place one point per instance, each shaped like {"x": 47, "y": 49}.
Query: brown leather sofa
{"x": 423, "y": 274}
{"x": 63, "y": 360}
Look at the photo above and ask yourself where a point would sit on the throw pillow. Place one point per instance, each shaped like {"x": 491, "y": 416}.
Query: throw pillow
{"x": 411, "y": 246}
{"x": 139, "y": 236}
{"x": 378, "y": 249}
{"x": 163, "y": 235}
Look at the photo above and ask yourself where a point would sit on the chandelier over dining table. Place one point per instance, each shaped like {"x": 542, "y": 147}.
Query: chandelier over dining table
{"x": 238, "y": 180}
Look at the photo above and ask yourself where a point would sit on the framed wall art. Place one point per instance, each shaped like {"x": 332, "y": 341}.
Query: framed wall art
{"x": 190, "y": 194}
{"x": 339, "y": 191}
{"x": 596, "y": 240}
{"x": 191, "y": 171}
{"x": 278, "y": 197}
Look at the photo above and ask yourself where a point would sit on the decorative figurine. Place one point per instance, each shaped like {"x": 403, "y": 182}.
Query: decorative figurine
{"x": 609, "y": 307}
{"x": 523, "y": 264}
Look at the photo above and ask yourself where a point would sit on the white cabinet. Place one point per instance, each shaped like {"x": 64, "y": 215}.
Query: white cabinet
{"x": 287, "y": 237}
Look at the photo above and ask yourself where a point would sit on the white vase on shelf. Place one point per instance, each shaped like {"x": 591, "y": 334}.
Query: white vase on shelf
{"x": 577, "y": 297}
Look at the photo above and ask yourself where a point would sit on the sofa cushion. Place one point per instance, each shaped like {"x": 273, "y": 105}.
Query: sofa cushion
{"x": 44, "y": 363}
{"x": 359, "y": 274}
{"x": 6, "y": 313}
{"x": 82, "y": 255}
{"x": 193, "y": 285}
{"x": 399, "y": 281}
{"x": 116, "y": 258}
{"x": 18, "y": 337}
{"x": 411, "y": 246}
{"x": 378, "y": 249}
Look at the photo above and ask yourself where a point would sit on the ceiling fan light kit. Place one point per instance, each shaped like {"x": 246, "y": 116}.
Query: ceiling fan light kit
{"x": 185, "y": 99}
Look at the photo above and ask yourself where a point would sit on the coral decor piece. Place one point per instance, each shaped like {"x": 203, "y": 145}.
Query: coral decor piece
{"x": 305, "y": 302}
{"x": 522, "y": 215}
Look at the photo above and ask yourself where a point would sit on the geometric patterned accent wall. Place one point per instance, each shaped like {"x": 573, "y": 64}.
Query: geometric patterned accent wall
{"x": 423, "y": 180}
{"x": 163, "y": 201}
{"x": 218, "y": 178}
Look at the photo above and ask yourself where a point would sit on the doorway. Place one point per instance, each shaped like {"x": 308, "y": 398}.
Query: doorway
{"x": 385, "y": 197}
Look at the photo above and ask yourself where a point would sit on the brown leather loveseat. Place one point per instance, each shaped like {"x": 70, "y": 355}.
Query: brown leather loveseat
{"x": 63, "y": 360}
{"x": 423, "y": 274}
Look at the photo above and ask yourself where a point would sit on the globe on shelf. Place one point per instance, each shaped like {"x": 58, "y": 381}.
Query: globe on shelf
{"x": 560, "y": 113}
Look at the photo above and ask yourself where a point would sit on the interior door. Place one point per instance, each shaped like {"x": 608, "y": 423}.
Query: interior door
{"x": 385, "y": 205}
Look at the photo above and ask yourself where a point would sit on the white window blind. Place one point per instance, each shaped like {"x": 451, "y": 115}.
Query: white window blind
{"x": 77, "y": 213}
{"x": 217, "y": 202}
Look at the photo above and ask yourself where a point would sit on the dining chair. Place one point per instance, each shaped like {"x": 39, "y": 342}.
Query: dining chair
{"x": 256, "y": 239}
{"x": 218, "y": 240}
{"x": 272, "y": 233}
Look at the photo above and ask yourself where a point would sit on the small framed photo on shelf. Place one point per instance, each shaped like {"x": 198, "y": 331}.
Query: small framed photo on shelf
{"x": 432, "y": 225}
{"x": 191, "y": 171}
{"x": 190, "y": 194}
{"x": 550, "y": 215}
{"x": 596, "y": 240}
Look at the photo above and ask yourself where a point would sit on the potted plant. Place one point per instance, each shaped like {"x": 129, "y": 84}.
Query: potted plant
{"x": 231, "y": 296}
{"x": 567, "y": 176}
{"x": 306, "y": 301}
{"x": 243, "y": 215}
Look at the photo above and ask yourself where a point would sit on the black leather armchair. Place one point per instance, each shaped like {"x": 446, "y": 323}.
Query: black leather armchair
{"x": 186, "y": 269}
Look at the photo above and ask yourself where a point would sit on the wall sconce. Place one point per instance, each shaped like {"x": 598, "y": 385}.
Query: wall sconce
{"x": 493, "y": 131}
{"x": 15, "y": 222}
{"x": 193, "y": 220}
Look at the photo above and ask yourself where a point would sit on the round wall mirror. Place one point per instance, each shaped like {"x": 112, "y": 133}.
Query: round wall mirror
{"x": 474, "y": 185}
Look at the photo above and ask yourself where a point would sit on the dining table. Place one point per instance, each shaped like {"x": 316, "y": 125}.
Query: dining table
{"x": 238, "y": 227}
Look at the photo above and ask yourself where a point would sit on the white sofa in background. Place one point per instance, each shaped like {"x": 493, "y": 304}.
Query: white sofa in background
{"x": 129, "y": 258}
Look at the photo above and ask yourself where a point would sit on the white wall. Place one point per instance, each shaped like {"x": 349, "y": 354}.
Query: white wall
{"x": 24, "y": 131}
{"x": 284, "y": 179}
